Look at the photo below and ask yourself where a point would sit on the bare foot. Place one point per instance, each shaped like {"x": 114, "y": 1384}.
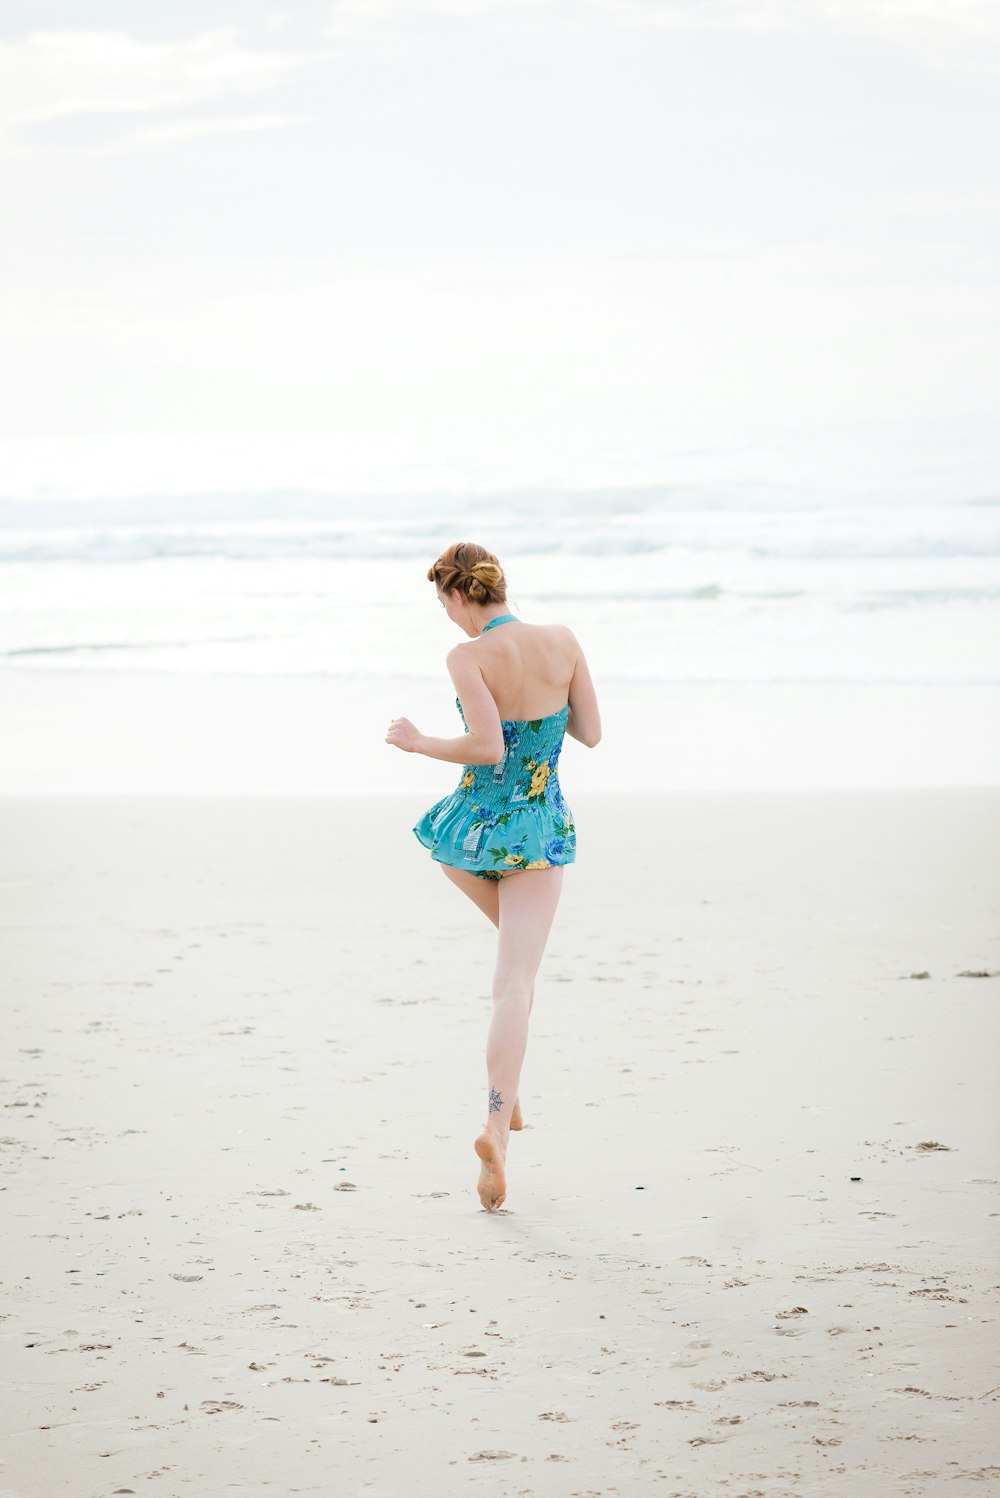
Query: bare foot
{"x": 491, "y": 1150}
{"x": 516, "y": 1121}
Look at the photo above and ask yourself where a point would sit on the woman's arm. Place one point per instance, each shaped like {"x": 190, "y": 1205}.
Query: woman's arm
{"x": 483, "y": 744}
{"x": 584, "y": 720}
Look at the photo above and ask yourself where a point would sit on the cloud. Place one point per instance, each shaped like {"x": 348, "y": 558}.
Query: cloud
{"x": 944, "y": 34}
{"x": 185, "y": 128}
{"x": 66, "y": 76}
{"x": 68, "y": 73}
{"x": 500, "y": 217}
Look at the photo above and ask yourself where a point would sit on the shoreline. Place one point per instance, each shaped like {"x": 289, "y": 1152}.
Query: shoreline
{"x": 105, "y": 733}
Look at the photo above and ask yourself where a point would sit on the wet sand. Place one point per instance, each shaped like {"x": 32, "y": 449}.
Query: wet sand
{"x": 750, "y": 1239}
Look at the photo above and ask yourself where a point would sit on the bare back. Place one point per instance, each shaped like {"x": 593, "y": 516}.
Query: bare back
{"x": 521, "y": 672}
{"x": 528, "y": 668}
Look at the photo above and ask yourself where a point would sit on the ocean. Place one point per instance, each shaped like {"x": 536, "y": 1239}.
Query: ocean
{"x": 741, "y": 634}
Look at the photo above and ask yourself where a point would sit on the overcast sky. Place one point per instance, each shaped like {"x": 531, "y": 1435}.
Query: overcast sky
{"x": 372, "y": 242}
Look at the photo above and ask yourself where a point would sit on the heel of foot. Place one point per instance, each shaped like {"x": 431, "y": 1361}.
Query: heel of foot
{"x": 492, "y": 1180}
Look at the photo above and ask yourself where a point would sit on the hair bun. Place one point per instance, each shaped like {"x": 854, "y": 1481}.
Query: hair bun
{"x": 472, "y": 570}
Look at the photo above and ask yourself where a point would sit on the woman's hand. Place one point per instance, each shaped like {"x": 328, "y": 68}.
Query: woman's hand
{"x": 404, "y": 735}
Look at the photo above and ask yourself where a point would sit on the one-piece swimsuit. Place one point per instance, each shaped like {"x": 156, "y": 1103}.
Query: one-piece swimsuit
{"x": 509, "y": 816}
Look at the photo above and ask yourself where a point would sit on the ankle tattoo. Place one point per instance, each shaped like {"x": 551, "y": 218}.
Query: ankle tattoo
{"x": 496, "y": 1101}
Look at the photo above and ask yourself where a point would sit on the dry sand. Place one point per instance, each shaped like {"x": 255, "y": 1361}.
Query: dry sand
{"x": 242, "y": 1073}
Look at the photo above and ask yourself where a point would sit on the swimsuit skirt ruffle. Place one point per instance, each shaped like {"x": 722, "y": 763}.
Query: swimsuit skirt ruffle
{"x": 509, "y": 816}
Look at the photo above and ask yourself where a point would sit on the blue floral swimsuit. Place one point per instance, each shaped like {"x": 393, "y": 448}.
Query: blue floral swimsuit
{"x": 509, "y": 816}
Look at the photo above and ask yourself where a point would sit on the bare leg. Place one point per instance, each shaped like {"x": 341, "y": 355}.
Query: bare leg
{"x": 482, "y": 892}
{"x": 485, "y": 893}
{"x": 528, "y": 903}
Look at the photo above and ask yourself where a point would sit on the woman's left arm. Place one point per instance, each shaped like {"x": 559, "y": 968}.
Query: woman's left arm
{"x": 483, "y": 744}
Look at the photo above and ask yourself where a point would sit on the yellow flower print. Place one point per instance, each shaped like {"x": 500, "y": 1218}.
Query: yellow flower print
{"x": 538, "y": 863}
{"x": 514, "y": 858}
{"x": 539, "y": 780}
{"x": 468, "y": 781}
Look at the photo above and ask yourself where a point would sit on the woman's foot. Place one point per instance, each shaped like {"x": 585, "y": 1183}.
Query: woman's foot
{"x": 516, "y": 1121}
{"x": 492, "y": 1150}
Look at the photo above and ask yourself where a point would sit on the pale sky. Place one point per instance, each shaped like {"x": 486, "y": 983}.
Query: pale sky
{"x": 382, "y": 242}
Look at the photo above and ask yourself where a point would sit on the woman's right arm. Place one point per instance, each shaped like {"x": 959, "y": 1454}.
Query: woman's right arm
{"x": 584, "y": 720}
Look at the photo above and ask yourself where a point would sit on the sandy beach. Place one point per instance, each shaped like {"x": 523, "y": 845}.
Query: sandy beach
{"x": 750, "y": 1242}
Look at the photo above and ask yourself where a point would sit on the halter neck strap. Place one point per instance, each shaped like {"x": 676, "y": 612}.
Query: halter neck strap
{"x": 500, "y": 619}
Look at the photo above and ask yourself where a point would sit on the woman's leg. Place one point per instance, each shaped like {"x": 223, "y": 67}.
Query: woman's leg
{"x": 482, "y": 892}
{"x": 486, "y": 894}
{"x": 528, "y": 901}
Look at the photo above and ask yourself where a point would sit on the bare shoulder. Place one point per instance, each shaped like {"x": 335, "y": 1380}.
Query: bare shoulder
{"x": 563, "y": 635}
{"x": 463, "y": 658}
{"x": 555, "y": 631}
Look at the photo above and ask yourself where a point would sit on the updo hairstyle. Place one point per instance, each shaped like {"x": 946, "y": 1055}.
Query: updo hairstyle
{"x": 472, "y": 570}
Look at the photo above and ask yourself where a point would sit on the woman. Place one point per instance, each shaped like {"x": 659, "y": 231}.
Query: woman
{"x": 520, "y": 687}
